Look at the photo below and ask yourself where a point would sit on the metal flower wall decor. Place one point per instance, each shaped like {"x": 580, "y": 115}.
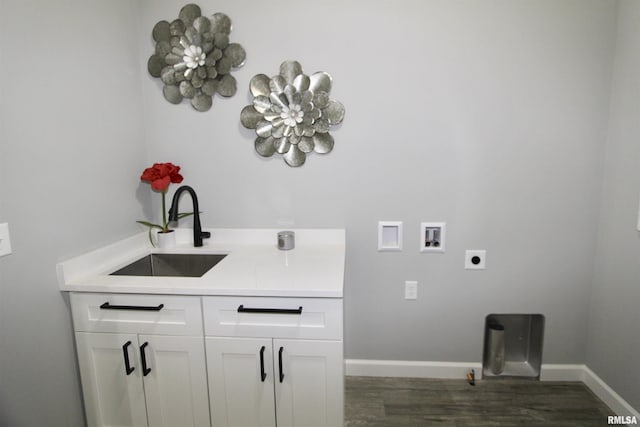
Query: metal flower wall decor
{"x": 292, "y": 113}
{"x": 193, "y": 57}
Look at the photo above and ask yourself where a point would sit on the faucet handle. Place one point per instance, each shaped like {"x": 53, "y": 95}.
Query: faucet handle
{"x": 205, "y": 234}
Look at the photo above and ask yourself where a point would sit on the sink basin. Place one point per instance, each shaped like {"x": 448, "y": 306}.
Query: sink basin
{"x": 171, "y": 265}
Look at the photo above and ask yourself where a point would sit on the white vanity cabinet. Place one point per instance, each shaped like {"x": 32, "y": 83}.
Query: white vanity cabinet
{"x": 255, "y": 341}
{"x": 142, "y": 360}
{"x": 274, "y": 361}
{"x": 269, "y": 361}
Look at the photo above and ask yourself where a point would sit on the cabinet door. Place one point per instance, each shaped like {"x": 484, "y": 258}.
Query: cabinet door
{"x": 309, "y": 383}
{"x": 113, "y": 396}
{"x": 175, "y": 380}
{"x": 241, "y": 382}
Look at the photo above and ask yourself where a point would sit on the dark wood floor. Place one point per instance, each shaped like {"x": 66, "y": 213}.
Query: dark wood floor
{"x": 401, "y": 402}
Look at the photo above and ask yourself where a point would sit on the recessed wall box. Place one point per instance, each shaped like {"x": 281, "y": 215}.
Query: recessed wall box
{"x": 389, "y": 236}
{"x": 513, "y": 346}
{"x": 432, "y": 236}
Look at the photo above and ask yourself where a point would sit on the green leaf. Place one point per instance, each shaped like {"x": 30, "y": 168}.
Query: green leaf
{"x": 151, "y": 238}
{"x": 151, "y": 227}
{"x": 149, "y": 224}
{"x": 184, "y": 214}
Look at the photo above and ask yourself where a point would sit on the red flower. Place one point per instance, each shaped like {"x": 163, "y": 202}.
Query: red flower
{"x": 160, "y": 175}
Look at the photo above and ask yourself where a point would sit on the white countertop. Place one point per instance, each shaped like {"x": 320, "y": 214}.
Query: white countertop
{"x": 253, "y": 265}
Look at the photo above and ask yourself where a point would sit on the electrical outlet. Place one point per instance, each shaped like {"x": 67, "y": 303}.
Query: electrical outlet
{"x": 475, "y": 259}
{"x": 5, "y": 241}
{"x": 410, "y": 289}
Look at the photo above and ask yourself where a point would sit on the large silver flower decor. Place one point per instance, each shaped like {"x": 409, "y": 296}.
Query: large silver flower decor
{"x": 193, "y": 57}
{"x": 292, "y": 113}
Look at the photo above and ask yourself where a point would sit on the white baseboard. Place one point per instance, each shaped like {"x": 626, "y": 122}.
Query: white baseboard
{"x": 410, "y": 369}
{"x": 459, "y": 370}
{"x": 613, "y": 400}
{"x": 564, "y": 372}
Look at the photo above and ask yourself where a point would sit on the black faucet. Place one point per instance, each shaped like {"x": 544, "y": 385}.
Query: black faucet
{"x": 198, "y": 234}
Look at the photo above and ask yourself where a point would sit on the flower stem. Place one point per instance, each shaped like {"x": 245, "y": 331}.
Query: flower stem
{"x": 165, "y": 226}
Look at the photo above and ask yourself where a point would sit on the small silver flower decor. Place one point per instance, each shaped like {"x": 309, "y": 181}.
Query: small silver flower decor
{"x": 193, "y": 57}
{"x": 292, "y": 113}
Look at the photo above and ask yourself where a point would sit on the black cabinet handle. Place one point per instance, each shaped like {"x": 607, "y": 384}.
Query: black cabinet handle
{"x": 127, "y": 366}
{"x": 263, "y": 375}
{"x": 243, "y": 309}
{"x": 280, "y": 363}
{"x": 143, "y": 357}
{"x": 107, "y": 306}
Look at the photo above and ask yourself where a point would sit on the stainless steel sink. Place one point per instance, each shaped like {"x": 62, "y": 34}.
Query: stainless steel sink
{"x": 171, "y": 265}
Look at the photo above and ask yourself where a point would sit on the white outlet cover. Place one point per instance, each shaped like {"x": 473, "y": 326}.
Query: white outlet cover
{"x": 5, "y": 241}
{"x": 475, "y": 259}
{"x": 411, "y": 289}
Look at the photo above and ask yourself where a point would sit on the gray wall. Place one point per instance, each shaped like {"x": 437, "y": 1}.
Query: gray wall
{"x": 614, "y": 341}
{"x": 72, "y": 148}
{"x": 489, "y": 115}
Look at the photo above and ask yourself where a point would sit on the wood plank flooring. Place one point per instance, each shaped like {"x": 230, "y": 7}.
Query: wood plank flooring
{"x": 402, "y": 402}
